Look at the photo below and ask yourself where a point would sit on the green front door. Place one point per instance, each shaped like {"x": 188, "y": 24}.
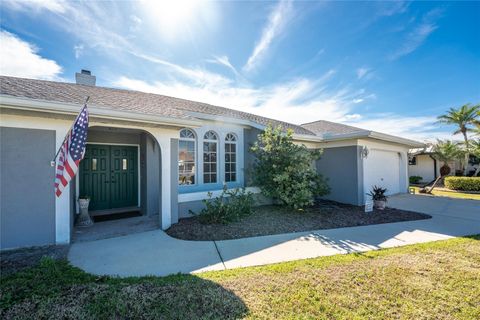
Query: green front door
{"x": 109, "y": 175}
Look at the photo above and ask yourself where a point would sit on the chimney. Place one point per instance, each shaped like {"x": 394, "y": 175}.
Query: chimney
{"x": 85, "y": 77}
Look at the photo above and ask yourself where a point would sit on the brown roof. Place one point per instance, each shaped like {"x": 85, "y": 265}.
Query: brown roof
{"x": 127, "y": 100}
{"x": 323, "y": 128}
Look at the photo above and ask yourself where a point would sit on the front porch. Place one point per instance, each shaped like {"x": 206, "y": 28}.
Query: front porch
{"x": 116, "y": 228}
{"x": 123, "y": 173}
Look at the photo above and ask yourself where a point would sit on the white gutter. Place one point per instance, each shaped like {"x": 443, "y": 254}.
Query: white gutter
{"x": 372, "y": 135}
{"x": 104, "y": 113}
{"x": 249, "y": 123}
{"x": 223, "y": 119}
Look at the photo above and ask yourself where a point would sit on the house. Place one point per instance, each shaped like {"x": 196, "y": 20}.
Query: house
{"x": 157, "y": 154}
{"x": 422, "y": 163}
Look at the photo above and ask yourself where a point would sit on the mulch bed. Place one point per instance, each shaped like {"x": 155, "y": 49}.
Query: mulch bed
{"x": 268, "y": 220}
{"x": 15, "y": 260}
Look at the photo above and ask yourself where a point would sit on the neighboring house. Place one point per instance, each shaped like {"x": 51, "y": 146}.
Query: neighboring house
{"x": 156, "y": 154}
{"x": 422, "y": 163}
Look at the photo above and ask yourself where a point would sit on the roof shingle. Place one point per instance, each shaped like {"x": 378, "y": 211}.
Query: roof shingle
{"x": 326, "y": 128}
{"x": 127, "y": 100}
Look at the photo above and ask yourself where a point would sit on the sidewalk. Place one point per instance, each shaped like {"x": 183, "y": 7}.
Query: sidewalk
{"x": 156, "y": 253}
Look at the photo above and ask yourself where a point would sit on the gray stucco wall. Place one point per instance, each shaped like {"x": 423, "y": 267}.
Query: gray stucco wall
{"x": 342, "y": 167}
{"x": 249, "y": 136}
{"x": 150, "y": 179}
{"x": 27, "y": 200}
{"x": 185, "y": 207}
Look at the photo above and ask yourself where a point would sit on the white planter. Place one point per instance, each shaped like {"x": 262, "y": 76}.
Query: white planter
{"x": 380, "y": 204}
{"x": 84, "y": 219}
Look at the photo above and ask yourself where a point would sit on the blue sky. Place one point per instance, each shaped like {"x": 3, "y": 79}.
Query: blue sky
{"x": 386, "y": 66}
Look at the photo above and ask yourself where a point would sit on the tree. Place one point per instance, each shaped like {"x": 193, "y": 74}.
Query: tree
{"x": 475, "y": 150}
{"x": 464, "y": 118}
{"x": 444, "y": 151}
{"x": 283, "y": 170}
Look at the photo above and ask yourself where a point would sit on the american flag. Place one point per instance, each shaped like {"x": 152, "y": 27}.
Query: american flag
{"x": 72, "y": 152}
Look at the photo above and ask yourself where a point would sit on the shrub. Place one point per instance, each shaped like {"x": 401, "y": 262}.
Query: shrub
{"x": 229, "y": 206}
{"x": 463, "y": 183}
{"x": 283, "y": 170}
{"x": 415, "y": 179}
{"x": 378, "y": 193}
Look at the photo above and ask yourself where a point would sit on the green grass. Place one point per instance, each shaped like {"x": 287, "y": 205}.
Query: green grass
{"x": 457, "y": 195}
{"x": 438, "y": 280}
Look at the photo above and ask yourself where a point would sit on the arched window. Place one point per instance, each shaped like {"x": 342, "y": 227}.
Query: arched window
{"x": 230, "y": 158}
{"x": 210, "y": 157}
{"x": 186, "y": 157}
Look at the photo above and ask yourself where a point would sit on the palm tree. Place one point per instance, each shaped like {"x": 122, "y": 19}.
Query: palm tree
{"x": 475, "y": 150}
{"x": 446, "y": 151}
{"x": 463, "y": 117}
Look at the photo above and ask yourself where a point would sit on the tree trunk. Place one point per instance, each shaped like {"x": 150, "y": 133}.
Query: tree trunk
{"x": 467, "y": 154}
{"x": 429, "y": 190}
{"x": 477, "y": 171}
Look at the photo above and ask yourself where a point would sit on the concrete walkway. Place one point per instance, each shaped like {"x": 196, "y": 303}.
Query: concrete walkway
{"x": 156, "y": 253}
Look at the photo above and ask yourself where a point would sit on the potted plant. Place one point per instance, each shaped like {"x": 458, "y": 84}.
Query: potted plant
{"x": 378, "y": 196}
{"x": 84, "y": 219}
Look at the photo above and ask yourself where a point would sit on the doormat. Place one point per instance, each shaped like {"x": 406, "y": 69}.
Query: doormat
{"x": 117, "y": 216}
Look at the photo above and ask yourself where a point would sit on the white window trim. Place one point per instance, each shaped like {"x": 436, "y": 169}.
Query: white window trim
{"x": 202, "y": 195}
{"x": 195, "y": 161}
{"x": 217, "y": 163}
{"x": 236, "y": 157}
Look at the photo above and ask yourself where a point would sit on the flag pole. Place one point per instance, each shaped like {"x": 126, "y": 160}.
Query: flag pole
{"x": 60, "y": 148}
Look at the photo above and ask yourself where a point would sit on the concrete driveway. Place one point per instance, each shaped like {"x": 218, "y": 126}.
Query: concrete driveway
{"x": 156, "y": 253}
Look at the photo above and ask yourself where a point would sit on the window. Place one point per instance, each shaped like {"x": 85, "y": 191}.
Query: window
{"x": 210, "y": 157}
{"x": 186, "y": 157}
{"x": 230, "y": 158}
{"x": 412, "y": 161}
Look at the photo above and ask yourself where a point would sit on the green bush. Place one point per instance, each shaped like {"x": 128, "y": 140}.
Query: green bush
{"x": 283, "y": 170}
{"x": 415, "y": 179}
{"x": 463, "y": 183}
{"x": 230, "y": 206}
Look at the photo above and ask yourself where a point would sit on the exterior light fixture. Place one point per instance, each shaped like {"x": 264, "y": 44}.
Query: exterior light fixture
{"x": 364, "y": 152}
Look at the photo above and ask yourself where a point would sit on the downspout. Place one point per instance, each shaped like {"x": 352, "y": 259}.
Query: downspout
{"x": 434, "y": 166}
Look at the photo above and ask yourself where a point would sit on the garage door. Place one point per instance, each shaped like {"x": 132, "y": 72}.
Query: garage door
{"x": 382, "y": 168}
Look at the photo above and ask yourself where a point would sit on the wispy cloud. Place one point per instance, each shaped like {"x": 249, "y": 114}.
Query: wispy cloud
{"x": 57, "y": 6}
{"x": 390, "y": 8}
{"x": 286, "y": 101}
{"x": 223, "y": 61}
{"x": 19, "y": 58}
{"x": 363, "y": 72}
{"x": 275, "y": 25}
{"x": 416, "y": 37}
{"x": 422, "y": 128}
{"x": 298, "y": 100}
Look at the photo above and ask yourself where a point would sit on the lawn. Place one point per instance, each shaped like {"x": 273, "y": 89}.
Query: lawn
{"x": 438, "y": 280}
{"x": 458, "y": 195}
{"x": 267, "y": 220}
